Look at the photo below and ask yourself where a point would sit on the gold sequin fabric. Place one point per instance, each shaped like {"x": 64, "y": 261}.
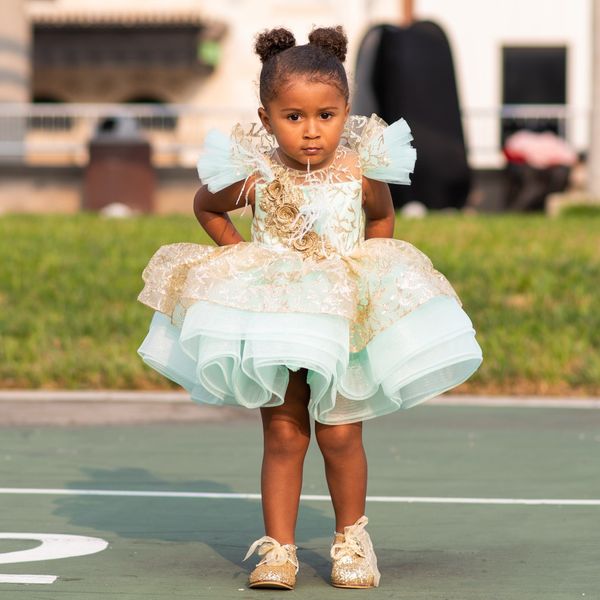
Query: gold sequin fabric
{"x": 354, "y": 561}
{"x": 278, "y": 566}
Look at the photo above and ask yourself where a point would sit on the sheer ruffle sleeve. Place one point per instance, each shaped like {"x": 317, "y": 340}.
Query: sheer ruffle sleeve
{"x": 385, "y": 151}
{"x": 225, "y": 160}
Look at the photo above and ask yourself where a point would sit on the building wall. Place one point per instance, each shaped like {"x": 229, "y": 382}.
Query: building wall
{"x": 14, "y": 52}
{"x": 477, "y": 31}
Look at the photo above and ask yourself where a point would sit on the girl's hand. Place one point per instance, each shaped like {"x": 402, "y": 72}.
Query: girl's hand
{"x": 379, "y": 209}
{"x": 211, "y": 210}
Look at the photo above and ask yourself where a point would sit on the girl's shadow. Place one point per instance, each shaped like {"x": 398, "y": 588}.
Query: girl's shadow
{"x": 228, "y": 526}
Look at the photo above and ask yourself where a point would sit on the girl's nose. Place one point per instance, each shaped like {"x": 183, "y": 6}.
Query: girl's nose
{"x": 311, "y": 130}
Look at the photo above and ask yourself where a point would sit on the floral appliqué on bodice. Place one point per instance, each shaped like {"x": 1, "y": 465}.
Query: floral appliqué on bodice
{"x": 316, "y": 213}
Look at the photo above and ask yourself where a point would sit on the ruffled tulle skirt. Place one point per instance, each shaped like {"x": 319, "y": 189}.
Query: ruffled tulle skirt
{"x": 377, "y": 330}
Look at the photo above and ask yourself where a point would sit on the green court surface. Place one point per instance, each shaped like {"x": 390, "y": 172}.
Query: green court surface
{"x": 450, "y": 519}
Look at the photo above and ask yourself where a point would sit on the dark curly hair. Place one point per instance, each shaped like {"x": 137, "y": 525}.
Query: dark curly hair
{"x": 320, "y": 60}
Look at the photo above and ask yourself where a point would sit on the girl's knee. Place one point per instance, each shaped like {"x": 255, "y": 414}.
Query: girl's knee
{"x": 285, "y": 438}
{"x": 339, "y": 440}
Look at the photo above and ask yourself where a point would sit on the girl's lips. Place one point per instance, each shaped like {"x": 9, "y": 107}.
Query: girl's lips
{"x": 311, "y": 150}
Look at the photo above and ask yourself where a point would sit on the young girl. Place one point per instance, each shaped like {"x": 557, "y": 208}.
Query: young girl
{"x": 322, "y": 314}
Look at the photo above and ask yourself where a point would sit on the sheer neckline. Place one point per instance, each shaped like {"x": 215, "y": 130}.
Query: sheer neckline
{"x": 273, "y": 156}
{"x": 337, "y": 171}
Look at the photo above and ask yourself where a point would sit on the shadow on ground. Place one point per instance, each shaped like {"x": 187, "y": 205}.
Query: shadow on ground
{"x": 228, "y": 526}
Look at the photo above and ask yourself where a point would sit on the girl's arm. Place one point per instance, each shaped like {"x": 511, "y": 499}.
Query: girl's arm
{"x": 379, "y": 209}
{"x": 211, "y": 211}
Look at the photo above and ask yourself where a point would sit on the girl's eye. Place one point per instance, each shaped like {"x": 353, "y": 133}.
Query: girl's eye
{"x": 326, "y": 115}
{"x": 293, "y": 117}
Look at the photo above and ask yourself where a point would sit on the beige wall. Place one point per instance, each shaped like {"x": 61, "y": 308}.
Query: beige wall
{"x": 14, "y": 52}
{"x": 59, "y": 190}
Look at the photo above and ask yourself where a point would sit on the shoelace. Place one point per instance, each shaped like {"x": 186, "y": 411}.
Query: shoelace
{"x": 351, "y": 544}
{"x": 272, "y": 551}
{"x": 357, "y": 542}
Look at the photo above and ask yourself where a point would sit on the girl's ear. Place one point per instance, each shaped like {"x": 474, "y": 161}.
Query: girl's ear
{"x": 264, "y": 119}
{"x": 347, "y": 111}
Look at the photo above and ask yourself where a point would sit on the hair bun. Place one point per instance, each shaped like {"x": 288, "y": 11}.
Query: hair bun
{"x": 330, "y": 39}
{"x": 272, "y": 42}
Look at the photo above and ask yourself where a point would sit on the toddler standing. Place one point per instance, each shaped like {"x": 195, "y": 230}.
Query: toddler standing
{"x": 323, "y": 314}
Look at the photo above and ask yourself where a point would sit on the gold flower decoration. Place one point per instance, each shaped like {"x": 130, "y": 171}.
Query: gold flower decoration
{"x": 281, "y": 203}
{"x": 307, "y": 243}
{"x": 274, "y": 191}
{"x": 286, "y": 216}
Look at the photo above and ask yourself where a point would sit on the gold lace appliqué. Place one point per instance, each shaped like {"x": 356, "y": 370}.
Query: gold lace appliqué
{"x": 282, "y": 203}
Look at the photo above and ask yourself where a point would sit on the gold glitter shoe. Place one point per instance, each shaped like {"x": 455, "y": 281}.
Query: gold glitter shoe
{"x": 354, "y": 560}
{"x": 278, "y": 567}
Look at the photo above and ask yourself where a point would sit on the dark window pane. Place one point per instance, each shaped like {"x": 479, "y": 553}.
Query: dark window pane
{"x": 533, "y": 75}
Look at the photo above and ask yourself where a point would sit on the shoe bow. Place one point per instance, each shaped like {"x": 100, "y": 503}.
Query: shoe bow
{"x": 351, "y": 544}
{"x": 272, "y": 551}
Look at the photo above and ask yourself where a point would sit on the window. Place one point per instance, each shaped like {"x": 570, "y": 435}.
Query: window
{"x": 534, "y": 75}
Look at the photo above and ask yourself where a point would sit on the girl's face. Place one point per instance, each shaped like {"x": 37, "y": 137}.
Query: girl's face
{"x": 307, "y": 118}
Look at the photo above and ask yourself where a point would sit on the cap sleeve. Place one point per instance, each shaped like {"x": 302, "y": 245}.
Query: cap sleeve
{"x": 385, "y": 152}
{"x": 225, "y": 160}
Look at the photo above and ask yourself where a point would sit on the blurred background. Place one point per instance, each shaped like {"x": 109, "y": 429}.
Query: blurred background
{"x": 465, "y": 74}
{"x": 104, "y": 106}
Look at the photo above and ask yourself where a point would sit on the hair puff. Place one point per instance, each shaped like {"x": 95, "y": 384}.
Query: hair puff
{"x": 330, "y": 39}
{"x": 272, "y": 42}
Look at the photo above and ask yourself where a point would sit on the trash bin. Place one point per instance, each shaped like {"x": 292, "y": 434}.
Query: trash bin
{"x": 119, "y": 168}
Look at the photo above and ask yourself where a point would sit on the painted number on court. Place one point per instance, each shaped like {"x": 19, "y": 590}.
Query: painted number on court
{"x": 53, "y": 545}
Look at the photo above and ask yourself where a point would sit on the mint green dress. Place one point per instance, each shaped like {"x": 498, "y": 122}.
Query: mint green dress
{"x": 375, "y": 325}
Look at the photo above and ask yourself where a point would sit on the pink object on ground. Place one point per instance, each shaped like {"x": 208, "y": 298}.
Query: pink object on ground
{"x": 540, "y": 150}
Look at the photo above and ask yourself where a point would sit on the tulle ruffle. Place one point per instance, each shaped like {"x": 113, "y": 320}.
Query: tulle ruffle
{"x": 224, "y": 355}
{"x": 386, "y": 154}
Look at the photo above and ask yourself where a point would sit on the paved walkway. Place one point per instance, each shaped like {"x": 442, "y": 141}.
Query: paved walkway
{"x": 466, "y": 503}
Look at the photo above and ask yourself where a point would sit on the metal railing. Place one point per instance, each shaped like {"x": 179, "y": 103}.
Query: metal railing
{"x": 60, "y": 133}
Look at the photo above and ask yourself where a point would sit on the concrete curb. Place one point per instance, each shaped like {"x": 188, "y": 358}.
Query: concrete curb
{"x": 175, "y": 398}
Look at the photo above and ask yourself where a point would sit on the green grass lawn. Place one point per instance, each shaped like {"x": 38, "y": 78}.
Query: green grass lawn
{"x": 69, "y": 316}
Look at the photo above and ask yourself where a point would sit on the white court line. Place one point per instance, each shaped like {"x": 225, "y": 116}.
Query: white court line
{"x": 307, "y": 497}
{"x": 4, "y": 578}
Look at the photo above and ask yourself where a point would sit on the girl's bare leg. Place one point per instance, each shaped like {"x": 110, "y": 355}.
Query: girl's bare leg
{"x": 286, "y": 430}
{"x": 345, "y": 470}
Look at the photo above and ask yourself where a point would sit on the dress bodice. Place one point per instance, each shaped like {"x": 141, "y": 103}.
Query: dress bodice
{"x": 335, "y": 212}
{"x": 318, "y": 213}
{"x": 315, "y": 212}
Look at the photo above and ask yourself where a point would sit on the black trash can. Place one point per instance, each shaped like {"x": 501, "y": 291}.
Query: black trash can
{"x": 119, "y": 168}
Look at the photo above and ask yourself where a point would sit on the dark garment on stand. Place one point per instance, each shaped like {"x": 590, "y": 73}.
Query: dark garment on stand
{"x": 412, "y": 76}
